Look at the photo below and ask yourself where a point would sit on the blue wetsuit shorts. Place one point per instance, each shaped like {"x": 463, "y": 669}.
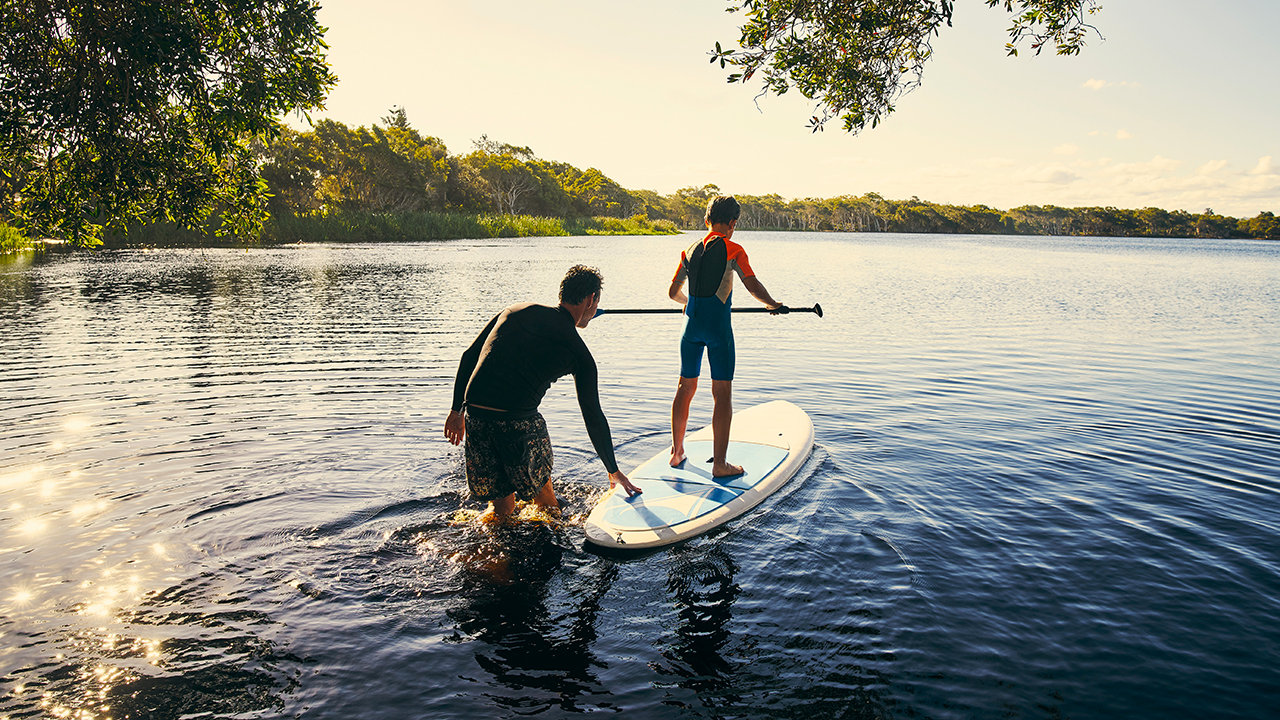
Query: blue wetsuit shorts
{"x": 707, "y": 325}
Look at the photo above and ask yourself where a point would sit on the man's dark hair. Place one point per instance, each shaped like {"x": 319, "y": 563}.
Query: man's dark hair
{"x": 722, "y": 209}
{"x": 580, "y": 283}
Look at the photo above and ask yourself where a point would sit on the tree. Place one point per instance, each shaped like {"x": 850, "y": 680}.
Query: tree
{"x": 376, "y": 169}
{"x": 857, "y": 57}
{"x": 120, "y": 112}
{"x": 591, "y": 192}
{"x": 292, "y": 164}
{"x": 1266, "y": 226}
{"x": 508, "y": 181}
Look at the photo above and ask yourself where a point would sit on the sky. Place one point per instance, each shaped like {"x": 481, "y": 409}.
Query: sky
{"x": 1174, "y": 106}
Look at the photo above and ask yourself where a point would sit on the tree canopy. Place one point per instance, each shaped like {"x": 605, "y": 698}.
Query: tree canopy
{"x": 394, "y": 168}
{"x": 120, "y": 112}
{"x": 856, "y": 58}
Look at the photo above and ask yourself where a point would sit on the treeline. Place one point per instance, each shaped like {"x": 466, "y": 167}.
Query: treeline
{"x": 391, "y": 182}
{"x": 873, "y": 213}
{"x": 366, "y": 175}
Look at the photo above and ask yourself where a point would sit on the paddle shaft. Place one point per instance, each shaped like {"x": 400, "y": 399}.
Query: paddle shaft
{"x": 816, "y": 309}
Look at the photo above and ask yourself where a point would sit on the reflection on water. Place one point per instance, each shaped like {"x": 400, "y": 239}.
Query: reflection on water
{"x": 1045, "y": 484}
{"x": 704, "y": 591}
{"x": 533, "y": 654}
{"x": 171, "y": 653}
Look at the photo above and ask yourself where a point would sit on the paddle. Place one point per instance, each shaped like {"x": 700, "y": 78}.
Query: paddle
{"x": 816, "y": 310}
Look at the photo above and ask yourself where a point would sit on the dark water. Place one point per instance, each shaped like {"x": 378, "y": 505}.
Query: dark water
{"x": 1046, "y": 484}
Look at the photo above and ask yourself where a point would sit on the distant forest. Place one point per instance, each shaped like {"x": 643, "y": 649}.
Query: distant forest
{"x": 365, "y": 175}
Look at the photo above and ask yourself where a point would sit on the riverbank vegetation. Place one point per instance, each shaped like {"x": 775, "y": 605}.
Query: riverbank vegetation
{"x": 873, "y": 213}
{"x": 391, "y": 182}
{"x": 405, "y": 226}
{"x": 12, "y": 240}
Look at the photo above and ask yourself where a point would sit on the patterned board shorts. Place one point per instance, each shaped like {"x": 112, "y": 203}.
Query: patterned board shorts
{"x": 507, "y": 456}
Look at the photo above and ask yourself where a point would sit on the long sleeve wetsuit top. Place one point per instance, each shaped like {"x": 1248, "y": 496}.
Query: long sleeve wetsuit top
{"x": 517, "y": 356}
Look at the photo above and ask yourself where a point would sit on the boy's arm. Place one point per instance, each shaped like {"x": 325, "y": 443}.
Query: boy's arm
{"x": 677, "y": 282}
{"x": 676, "y": 292}
{"x": 754, "y": 286}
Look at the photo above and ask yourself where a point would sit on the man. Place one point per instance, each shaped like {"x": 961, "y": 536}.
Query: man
{"x": 709, "y": 265}
{"x": 501, "y": 381}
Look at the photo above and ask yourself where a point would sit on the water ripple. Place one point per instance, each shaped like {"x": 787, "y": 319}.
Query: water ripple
{"x": 1045, "y": 484}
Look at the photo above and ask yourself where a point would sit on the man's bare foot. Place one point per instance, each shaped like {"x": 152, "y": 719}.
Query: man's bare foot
{"x": 490, "y": 517}
{"x": 676, "y": 458}
{"x": 724, "y": 469}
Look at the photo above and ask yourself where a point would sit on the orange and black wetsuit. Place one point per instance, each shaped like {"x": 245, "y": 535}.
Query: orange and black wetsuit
{"x": 709, "y": 265}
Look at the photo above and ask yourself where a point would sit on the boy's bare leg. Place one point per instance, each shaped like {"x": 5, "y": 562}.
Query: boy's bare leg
{"x": 685, "y": 390}
{"x": 721, "y": 420}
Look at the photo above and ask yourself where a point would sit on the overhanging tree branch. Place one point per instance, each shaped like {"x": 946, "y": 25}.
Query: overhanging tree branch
{"x": 857, "y": 58}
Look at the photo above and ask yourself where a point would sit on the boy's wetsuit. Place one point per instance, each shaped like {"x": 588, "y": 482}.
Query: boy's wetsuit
{"x": 709, "y": 266}
{"x": 512, "y": 363}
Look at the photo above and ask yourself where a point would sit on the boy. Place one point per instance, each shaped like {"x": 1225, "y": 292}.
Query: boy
{"x": 709, "y": 266}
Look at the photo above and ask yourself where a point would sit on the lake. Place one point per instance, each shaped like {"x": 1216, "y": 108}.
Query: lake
{"x": 1045, "y": 484}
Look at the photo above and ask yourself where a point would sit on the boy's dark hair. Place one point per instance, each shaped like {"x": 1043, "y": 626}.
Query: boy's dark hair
{"x": 580, "y": 283}
{"x": 722, "y": 209}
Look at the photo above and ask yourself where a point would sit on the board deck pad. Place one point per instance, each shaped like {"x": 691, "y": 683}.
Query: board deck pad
{"x": 675, "y": 495}
{"x": 771, "y": 441}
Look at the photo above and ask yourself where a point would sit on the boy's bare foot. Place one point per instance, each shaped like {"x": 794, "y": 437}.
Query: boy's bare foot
{"x": 725, "y": 470}
{"x": 676, "y": 459}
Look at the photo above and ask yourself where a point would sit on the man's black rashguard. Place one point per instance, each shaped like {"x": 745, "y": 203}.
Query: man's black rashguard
{"x": 513, "y": 361}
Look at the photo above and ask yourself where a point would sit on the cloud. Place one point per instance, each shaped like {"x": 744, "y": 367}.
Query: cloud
{"x": 1231, "y": 187}
{"x": 1067, "y": 149}
{"x": 1211, "y": 167}
{"x": 1053, "y": 175}
{"x": 1157, "y": 168}
{"x": 1096, "y": 84}
{"x": 1123, "y": 134}
{"x": 1264, "y": 167}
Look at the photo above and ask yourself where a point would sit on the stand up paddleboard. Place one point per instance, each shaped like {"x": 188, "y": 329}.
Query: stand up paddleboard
{"x": 770, "y": 442}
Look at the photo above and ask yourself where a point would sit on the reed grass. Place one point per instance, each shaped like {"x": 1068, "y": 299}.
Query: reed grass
{"x": 368, "y": 227}
{"x": 12, "y": 240}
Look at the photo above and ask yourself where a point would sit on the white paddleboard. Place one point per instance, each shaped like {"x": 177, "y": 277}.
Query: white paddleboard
{"x": 770, "y": 442}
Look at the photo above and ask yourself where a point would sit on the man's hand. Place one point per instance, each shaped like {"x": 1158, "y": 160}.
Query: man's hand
{"x": 618, "y": 477}
{"x": 778, "y": 309}
{"x": 455, "y": 426}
